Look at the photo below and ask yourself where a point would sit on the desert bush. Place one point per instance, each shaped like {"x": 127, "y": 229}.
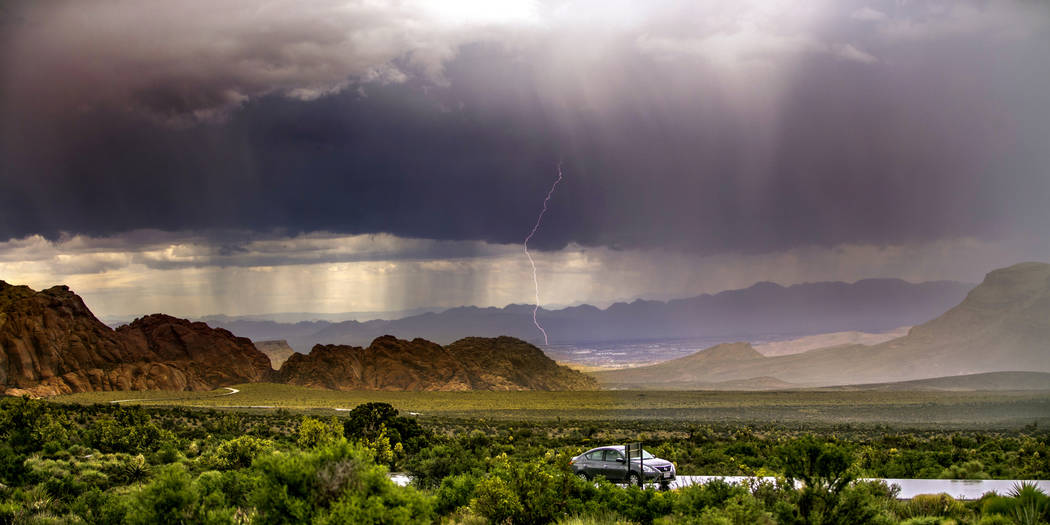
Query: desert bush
{"x": 536, "y": 491}
{"x": 597, "y": 518}
{"x": 455, "y": 492}
{"x": 173, "y": 496}
{"x": 692, "y": 500}
{"x": 929, "y": 520}
{"x": 995, "y": 519}
{"x": 313, "y": 433}
{"x": 933, "y": 505}
{"x": 335, "y": 483}
{"x": 994, "y": 504}
{"x": 236, "y": 453}
{"x": 496, "y": 500}
{"x": 130, "y": 433}
{"x": 432, "y": 464}
{"x": 967, "y": 470}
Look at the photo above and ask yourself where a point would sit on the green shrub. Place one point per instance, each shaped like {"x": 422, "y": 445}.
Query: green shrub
{"x": 993, "y": 504}
{"x": 130, "y": 431}
{"x": 455, "y": 492}
{"x": 237, "y": 453}
{"x": 597, "y": 518}
{"x": 692, "y": 500}
{"x": 314, "y": 432}
{"x": 432, "y": 464}
{"x": 933, "y": 505}
{"x": 995, "y": 519}
{"x": 929, "y": 520}
{"x": 869, "y": 502}
{"x": 168, "y": 499}
{"x": 496, "y": 500}
{"x": 335, "y": 483}
{"x": 967, "y": 470}
{"x": 636, "y": 504}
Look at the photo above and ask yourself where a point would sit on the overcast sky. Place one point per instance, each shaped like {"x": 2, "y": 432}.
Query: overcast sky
{"x": 242, "y": 157}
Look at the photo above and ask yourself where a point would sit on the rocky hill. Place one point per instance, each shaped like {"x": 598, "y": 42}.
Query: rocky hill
{"x": 1002, "y": 325}
{"x": 51, "y": 343}
{"x": 475, "y": 363}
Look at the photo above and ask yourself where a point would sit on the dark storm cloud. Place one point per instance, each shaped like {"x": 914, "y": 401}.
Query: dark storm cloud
{"x": 865, "y": 124}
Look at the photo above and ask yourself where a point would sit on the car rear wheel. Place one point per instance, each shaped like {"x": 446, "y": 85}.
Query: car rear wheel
{"x": 632, "y": 479}
{"x": 583, "y": 476}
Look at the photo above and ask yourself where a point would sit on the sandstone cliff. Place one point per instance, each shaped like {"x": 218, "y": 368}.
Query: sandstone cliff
{"x": 51, "y": 343}
{"x": 474, "y": 363}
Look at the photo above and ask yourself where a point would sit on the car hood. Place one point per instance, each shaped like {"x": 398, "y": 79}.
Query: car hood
{"x": 654, "y": 462}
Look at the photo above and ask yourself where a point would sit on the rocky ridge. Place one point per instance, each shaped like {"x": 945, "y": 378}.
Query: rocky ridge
{"x": 473, "y": 363}
{"x": 51, "y": 343}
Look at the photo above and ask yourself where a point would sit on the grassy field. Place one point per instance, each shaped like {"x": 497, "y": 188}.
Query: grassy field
{"x": 914, "y": 409}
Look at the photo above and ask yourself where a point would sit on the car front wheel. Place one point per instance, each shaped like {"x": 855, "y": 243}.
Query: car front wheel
{"x": 632, "y": 479}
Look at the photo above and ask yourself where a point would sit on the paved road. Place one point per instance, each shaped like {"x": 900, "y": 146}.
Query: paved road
{"x": 968, "y": 489}
{"x": 956, "y": 488}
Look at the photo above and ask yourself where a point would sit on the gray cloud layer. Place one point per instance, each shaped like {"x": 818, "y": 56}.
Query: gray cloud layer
{"x": 711, "y": 127}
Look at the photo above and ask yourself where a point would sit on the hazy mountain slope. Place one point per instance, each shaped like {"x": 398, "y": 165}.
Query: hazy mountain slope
{"x": 272, "y": 330}
{"x": 1002, "y": 325}
{"x": 278, "y": 351}
{"x": 813, "y": 342}
{"x": 50, "y": 343}
{"x": 985, "y": 381}
{"x": 716, "y": 361}
{"x": 390, "y": 363}
{"x": 758, "y": 312}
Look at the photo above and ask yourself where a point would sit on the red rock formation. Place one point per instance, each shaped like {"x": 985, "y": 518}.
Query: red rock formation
{"x": 51, "y": 343}
{"x": 475, "y": 363}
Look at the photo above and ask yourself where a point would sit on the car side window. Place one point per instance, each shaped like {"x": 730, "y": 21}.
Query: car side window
{"x": 612, "y": 455}
{"x": 596, "y": 455}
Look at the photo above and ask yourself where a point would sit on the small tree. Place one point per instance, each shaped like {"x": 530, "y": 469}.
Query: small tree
{"x": 823, "y": 469}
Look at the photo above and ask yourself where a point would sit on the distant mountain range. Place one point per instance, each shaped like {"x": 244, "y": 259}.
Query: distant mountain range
{"x": 997, "y": 337}
{"x": 765, "y": 311}
{"x": 290, "y": 317}
{"x": 1002, "y": 325}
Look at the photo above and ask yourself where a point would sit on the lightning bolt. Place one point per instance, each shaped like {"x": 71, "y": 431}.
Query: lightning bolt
{"x": 535, "y": 280}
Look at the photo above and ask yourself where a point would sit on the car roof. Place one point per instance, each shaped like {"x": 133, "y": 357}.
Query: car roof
{"x": 607, "y": 447}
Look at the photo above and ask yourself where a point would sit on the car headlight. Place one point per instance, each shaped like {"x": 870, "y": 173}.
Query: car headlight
{"x": 648, "y": 468}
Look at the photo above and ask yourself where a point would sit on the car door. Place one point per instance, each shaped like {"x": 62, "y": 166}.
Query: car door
{"x": 594, "y": 463}
{"x": 614, "y": 466}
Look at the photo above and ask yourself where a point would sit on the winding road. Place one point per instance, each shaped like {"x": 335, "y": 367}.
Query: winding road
{"x": 231, "y": 392}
